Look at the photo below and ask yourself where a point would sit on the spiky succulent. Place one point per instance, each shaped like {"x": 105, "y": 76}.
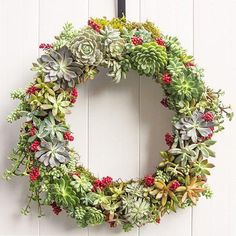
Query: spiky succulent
{"x": 86, "y": 48}
{"x": 194, "y": 127}
{"x": 59, "y": 66}
{"x": 148, "y": 59}
{"x": 52, "y": 153}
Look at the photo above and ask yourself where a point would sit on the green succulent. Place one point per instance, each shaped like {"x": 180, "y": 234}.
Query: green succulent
{"x": 175, "y": 67}
{"x": 145, "y": 35}
{"x": 148, "y": 59}
{"x": 136, "y": 210}
{"x": 201, "y": 168}
{"x": 63, "y": 194}
{"x": 58, "y": 105}
{"x": 186, "y": 87}
{"x": 86, "y": 48}
{"x": 117, "y": 70}
{"x": 52, "y": 153}
{"x": 65, "y": 37}
{"x": 184, "y": 154}
{"x": 135, "y": 189}
{"x": 161, "y": 175}
{"x": 59, "y": 66}
{"x": 203, "y": 149}
{"x": 49, "y": 128}
{"x": 109, "y": 35}
{"x": 81, "y": 184}
{"x": 192, "y": 127}
{"x": 86, "y": 215}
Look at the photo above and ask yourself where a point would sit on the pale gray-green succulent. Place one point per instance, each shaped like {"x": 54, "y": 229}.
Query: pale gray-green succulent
{"x": 53, "y": 153}
{"x": 87, "y": 48}
{"x": 59, "y": 65}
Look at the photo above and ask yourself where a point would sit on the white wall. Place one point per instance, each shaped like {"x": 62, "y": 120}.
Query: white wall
{"x": 119, "y": 128}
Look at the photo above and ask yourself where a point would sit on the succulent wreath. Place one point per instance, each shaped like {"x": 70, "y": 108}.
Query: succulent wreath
{"x": 58, "y": 179}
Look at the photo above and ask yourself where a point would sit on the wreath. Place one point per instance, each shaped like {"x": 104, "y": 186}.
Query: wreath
{"x": 59, "y": 180}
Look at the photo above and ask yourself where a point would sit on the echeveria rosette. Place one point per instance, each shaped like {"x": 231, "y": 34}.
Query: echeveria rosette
{"x": 53, "y": 153}
{"x": 56, "y": 176}
{"x": 185, "y": 87}
{"x": 87, "y": 48}
{"x": 148, "y": 59}
{"x": 194, "y": 127}
{"x": 59, "y": 66}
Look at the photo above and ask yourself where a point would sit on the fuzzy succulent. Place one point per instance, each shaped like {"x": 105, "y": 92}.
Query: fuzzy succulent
{"x": 148, "y": 59}
{"x": 52, "y": 153}
{"x": 59, "y": 66}
{"x": 86, "y": 48}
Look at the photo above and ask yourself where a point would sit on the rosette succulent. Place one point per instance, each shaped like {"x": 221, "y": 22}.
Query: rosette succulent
{"x": 148, "y": 59}
{"x": 53, "y": 153}
{"x": 59, "y": 66}
{"x": 186, "y": 87}
{"x": 194, "y": 127}
{"x": 86, "y": 48}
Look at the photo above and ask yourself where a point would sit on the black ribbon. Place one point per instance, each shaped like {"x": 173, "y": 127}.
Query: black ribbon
{"x": 121, "y": 8}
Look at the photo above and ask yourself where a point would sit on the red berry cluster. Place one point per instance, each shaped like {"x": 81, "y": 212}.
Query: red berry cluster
{"x": 189, "y": 64}
{"x": 35, "y": 146}
{"x": 158, "y": 220}
{"x": 31, "y": 90}
{"x": 169, "y": 139}
{"x": 56, "y": 209}
{"x": 175, "y": 184}
{"x": 101, "y": 184}
{"x": 45, "y": 46}
{"x": 208, "y": 116}
{"x": 166, "y": 78}
{"x": 68, "y": 136}
{"x": 34, "y": 174}
{"x": 160, "y": 41}
{"x": 32, "y": 131}
{"x": 164, "y": 102}
{"x": 94, "y": 25}
{"x": 149, "y": 180}
{"x": 74, "y": 95}
{"x": 136, "y": 40}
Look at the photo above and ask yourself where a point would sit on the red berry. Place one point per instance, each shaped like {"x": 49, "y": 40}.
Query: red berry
{"x": 56, "y": 209}
{"x": 35, "y": 146}
{"x": 160, "y": 41}
{"x": 106, "y": 181}
{"x": 68, "y": 136}
{"x": 164, "y": 102}
{"x": 74, "y": 93}
{"x": 189, "y": 64}
{"x": 175, "y": 184}
{"x": 158, "y": 220}
{"x": 31, "y": 90}
{"x": 94, "y": 25}
{"x": 169, "y": 139}
{"x": 45, "y": 46}
{"x": 97, "y": 184}
{"x": 207, "y": 116}
{"x": 34, "y": 174}
{"x": 32, "y": 131}
{"x": 136, "y": 40}
{"x": 166, "y": 78}
{"x": 149, "y": 180}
